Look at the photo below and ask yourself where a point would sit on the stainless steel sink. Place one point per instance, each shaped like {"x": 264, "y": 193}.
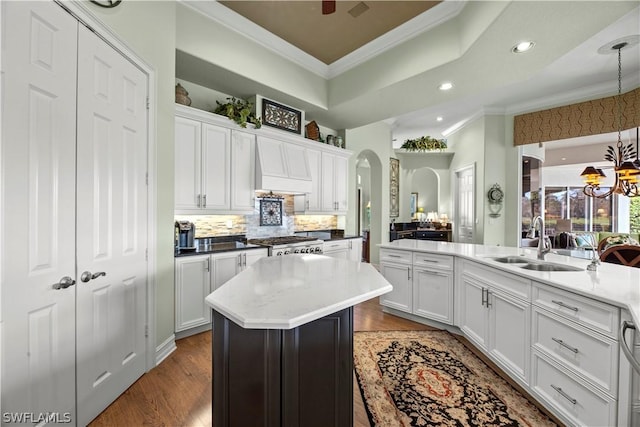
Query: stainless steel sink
{"x": 550, "y": 267}
{"x": 511, "y": 259}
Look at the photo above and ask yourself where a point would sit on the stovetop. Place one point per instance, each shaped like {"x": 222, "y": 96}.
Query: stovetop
{"x": 282, "y": 240}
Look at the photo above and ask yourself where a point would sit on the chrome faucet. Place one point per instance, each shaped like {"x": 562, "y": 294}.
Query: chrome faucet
{"x": 544, "y": 244}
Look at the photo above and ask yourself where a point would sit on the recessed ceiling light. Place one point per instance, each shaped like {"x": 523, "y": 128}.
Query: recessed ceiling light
{"x": 439, "y": 119}
{"x": 523, "y": 47}
{"x": 445, "y": 86}
{"x": 563, "y": 158}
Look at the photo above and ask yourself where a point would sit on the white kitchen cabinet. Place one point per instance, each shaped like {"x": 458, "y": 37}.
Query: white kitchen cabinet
{"x": 433, "y": 287}
{"x": 395, "y": 266}
{"x": 192, "y": 285}
{"x": 311, "y": 202}
{"x": 336, "y": 249}
{"x": 227, "y": 264}
{"x": 214, "y": 165}
{"x": 355, "y": 249}
{"x": 334, "y": 183}
{"x": 497, "y": 320}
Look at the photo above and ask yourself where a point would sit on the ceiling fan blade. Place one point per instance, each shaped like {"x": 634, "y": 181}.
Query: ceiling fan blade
{"x": 328, "y": 7}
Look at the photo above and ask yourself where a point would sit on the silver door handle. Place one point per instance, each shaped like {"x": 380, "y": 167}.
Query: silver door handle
{"x": 64, "y": 283}
{"x": 625, "y": 347}
{"x": 204, "y": 201}
{"x": 563, "y": 394}
{"x": 561, "y": 304}
{"x": 86, "y": 276}
{"x": 198, "y": 202}
{"x": 565, "y": 345}
{"x": 244, "y": 259}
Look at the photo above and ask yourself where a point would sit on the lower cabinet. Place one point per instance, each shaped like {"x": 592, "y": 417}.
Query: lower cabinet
{"x": 296, "y": 377}
{"x": 196, "y": 276}
{"x": 355, "y": 249}
{"x": 433, "y": 287}
{"x": 192, "y": 285}
{"x": 395, "y": 266}
{"x": 336, "y": 249}
{"x": 498, "y": 322}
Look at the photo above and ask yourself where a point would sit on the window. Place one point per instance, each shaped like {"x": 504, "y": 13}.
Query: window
{"x": 586, "y": 213}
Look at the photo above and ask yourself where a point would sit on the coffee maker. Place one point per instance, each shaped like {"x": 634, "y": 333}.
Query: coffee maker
{"x": 185, "y": 233}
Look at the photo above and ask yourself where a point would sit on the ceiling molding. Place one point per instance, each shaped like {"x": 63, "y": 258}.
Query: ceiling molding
{"x": 410, "y": 29}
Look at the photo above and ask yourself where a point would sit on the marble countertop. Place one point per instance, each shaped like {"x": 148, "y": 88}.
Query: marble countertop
{"x": 611, "y": 283}
{"x": 288, "y": 291}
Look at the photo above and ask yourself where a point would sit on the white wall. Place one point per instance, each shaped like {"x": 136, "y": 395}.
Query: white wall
{"x": 371, "y": 141}
{"x": 148, "y": 28}
{"x": 494, "y": 173}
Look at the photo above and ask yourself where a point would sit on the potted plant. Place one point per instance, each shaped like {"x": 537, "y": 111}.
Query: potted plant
{"x": 424, "y": 143}
{"x": 238, "y": 110}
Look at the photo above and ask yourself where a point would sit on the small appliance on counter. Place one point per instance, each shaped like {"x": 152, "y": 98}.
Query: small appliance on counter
{"x": 185, "y": 233}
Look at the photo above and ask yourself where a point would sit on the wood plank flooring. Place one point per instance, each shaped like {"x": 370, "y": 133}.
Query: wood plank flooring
{"x": 178, "y": 391}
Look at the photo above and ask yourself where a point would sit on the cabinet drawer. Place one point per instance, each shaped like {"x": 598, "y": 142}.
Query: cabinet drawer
{"x": 574, "y": 401}
{"x": 511, "y": 284}
{"x": 335, "y": 245}
{"x": 432, "y": 235}
{"x": 391, "y": 255}
{"x": 585, "y": 311}
{"x": 433, "y": 260}
{"x": 590, "y": 354}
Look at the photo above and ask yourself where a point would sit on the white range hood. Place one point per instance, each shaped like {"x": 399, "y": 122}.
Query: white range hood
{"x": 282, "y": 167}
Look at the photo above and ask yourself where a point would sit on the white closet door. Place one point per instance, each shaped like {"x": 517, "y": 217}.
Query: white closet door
{"x": 111, "y": 224}
{"x": 38, "y": 208}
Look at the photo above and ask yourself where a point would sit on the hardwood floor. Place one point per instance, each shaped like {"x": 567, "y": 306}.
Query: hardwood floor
{"x": 178, "y": 391}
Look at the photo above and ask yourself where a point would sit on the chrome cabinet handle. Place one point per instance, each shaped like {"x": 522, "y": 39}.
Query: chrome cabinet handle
{"x": 625, "y": 347}
{"x": 244, "y": 259}
{"x": 408, "y": 273}
{"x": 394, "y": 256}
{"x": 204, "y": 201}
{"x": 208, "y": 267}
{"x": 198, "y": 201}
{"x": 64, "y": 283}
{"x": 563, "y": 394}
{"x": 429, "y": 260}
{"x": 240, "y": 260}
{"x": 561, "y": 304}
{"x": 565, "y": 345}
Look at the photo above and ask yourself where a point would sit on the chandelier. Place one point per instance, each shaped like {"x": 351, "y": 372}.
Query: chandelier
{"x": 626, "y": 170}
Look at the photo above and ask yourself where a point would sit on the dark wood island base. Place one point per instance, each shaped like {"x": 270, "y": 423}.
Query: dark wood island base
{"x": 276, "y": 377}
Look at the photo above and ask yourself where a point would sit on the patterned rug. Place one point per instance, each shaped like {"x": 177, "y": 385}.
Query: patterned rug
{"x": 429, "y": 378}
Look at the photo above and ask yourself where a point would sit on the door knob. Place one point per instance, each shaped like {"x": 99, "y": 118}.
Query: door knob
{"x": 86, "y": 275}
{"x": 64, "y": 283}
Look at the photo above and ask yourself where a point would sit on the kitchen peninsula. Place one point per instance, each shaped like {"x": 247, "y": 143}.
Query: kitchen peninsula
{"x": 553, "y": 326}
{"x": 283, "y": 341}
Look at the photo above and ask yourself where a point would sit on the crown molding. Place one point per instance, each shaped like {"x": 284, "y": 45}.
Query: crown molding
{"x": 226, "y": 17}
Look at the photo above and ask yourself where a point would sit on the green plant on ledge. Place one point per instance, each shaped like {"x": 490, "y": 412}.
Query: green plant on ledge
{"x": 238, "y": 110}
{"x": 424, "y": 143}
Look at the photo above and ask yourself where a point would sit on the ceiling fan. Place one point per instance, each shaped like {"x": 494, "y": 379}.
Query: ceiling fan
{"x": 328, "y": 7}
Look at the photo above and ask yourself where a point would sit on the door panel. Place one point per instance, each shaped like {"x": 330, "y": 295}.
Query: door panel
{"x": 38, "y": 199}
{"x": 111, "y": 224}
{"x": 465, "y": 212}
{"x": 216, "y": 175}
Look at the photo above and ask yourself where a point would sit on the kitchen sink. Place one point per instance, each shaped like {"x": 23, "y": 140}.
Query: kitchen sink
{"x": 550, "y": 267}
{"x": 511, "y": 259}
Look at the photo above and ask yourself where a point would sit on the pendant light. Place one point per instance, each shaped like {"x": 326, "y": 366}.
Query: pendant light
{"x": 627, "y": 170}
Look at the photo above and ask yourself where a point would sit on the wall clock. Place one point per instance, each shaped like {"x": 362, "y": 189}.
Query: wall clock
{"x": 270, "y": 212}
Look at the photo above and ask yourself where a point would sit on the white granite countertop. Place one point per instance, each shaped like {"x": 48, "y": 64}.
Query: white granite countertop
{"x": 288, "y": 291}
{"x": 613, "y": 284}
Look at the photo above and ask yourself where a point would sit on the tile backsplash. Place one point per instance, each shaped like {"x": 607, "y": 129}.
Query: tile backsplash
{"x": 225, "y": 225}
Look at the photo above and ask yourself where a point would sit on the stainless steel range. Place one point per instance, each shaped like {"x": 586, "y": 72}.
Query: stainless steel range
{"x": 290, "y": 245}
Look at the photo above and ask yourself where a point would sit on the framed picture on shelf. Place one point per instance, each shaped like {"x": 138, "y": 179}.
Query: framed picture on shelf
{"x": 394, "y": 187}
{"x": 281, "y": 117}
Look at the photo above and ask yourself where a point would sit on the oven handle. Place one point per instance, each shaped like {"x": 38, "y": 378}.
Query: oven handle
{"x": 625, "y": 347}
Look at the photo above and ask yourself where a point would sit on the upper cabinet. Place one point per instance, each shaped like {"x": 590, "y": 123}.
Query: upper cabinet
{"x": 214, "y": 166}
{"x": 330, "y": 172}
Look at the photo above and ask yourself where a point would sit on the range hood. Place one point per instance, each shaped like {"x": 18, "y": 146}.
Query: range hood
{"x": 282, "y": 167}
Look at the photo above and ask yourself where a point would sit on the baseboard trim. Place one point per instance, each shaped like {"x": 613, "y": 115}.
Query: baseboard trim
{"x": 418, "y": 319}
{"x": 165, "y": 349}
{"x": 193, "y": 331}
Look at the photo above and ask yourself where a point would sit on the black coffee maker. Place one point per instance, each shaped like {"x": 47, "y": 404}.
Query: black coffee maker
{"x": 185, "y": 233}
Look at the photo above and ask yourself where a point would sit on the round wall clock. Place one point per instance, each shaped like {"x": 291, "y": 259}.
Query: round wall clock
{"x": 495, "y": 194}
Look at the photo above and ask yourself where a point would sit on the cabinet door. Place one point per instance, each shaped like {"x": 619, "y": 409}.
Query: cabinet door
{"x": 249, "y": 257}
{"x": 509, "y": 333}
{"x": 315, "y": 166}
{"x": 340, "y": 182}
{"x": 355, "y": 249}
{"x": 188, "y": 137}
{"x": 243, "y": 166}
{"x": 297, "y": 161}
{"x": 400, "y": 278}
{"x": 433, "y": 294}
{"x": 474, "y": 314}
{"x": 225, "y": 266}
{"x": 328, "y": 178}
{"x": 192, "y": 285}
{"x": 216, "y": 172}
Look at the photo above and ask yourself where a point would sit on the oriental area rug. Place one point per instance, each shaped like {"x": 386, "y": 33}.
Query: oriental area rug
{"x": 429, "y": 378}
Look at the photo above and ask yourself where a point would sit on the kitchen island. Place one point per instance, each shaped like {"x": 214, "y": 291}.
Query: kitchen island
{"x": 553, "y": 326}
{"x": 283, "y": 340}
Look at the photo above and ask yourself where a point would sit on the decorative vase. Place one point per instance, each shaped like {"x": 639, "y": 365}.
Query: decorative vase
{"x": 182, "y": 96}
